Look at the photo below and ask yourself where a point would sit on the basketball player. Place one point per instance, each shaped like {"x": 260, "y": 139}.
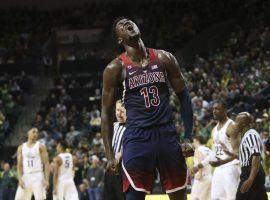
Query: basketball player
{"x": 112, "y": 189}
{"x": 33, "y": 164}
{"x": 226, "y": 175}
{"x": 63, "y": 184}
{"x": 150, "y": 140}
{"x": 250, "y": 154}
{"x": 201, "y": 188}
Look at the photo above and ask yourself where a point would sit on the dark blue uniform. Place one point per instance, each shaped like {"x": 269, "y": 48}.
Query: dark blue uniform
{"x": 150, "y": 140}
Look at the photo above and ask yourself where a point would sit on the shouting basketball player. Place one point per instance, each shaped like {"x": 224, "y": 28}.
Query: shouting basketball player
{"x": 150, "y": 141}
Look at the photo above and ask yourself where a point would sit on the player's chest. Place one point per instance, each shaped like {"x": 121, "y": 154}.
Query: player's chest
{"x": 137, "y": 77}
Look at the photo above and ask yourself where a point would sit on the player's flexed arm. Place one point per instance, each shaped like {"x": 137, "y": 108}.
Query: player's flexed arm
{"x": 177, "y": 81}
{"x": 46, "y": 164}
{"x": 20, "y": 166}
{"x": 112, "y": 77}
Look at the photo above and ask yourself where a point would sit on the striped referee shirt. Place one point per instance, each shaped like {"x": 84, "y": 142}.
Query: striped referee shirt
{"x": 251, "y": 144}
{"x": 117, "y": 139}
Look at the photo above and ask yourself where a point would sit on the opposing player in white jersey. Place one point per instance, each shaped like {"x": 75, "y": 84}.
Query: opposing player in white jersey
{"x": 201, "y": 188}
{"x": 63, "y": 184}
{"x": 227, "y": 173}
{"x": 33, "y": 168}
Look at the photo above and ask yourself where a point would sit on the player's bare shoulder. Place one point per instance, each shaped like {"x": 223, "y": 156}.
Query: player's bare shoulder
{"x": 114, "y": 71}
{"x": 164, "y": 56}
{"x": 42, "y": 147}
{"x": 19, "y": 149}
{"x": 167, "y": 60}
{"x": 115, "y": 66}
{"x": 57, "y": 160}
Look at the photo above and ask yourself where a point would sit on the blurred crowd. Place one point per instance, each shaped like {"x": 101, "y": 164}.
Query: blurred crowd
{"x": 12, "y": 100}
{"x": 24, "y": 33}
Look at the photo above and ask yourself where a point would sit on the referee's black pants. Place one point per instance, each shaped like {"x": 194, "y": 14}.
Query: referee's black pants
{"x": 112, "y": 189}
{"x": 257, "y": 190}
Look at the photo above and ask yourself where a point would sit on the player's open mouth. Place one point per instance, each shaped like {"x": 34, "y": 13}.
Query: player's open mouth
{"x": 130, "y": 28}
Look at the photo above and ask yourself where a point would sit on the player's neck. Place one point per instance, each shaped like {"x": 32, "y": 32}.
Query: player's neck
{"x": 31, "y": 142}
{"x": 136, "y": 51}
{"x": 244, "y": 130}
{"x": 223, "y": 120}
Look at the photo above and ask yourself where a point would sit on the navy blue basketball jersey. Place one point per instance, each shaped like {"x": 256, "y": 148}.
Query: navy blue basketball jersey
{"x": 146, "y": 93}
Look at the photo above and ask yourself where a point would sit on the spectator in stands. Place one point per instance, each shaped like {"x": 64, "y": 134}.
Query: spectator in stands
{"x": 72, "y": 137}
{"x": 98, "y": 139}
{"x": 83, "y": 193}
{"x": 64, "y": 97}
{"x": 95, "y": 177}
{"x": 14, "y": 86}
{"x": 8, "y": 182}
{"x": 95, "y": 111}
{"x": 95, "y": 122}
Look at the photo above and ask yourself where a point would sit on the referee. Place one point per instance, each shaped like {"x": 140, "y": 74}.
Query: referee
{"x": 252, "y": 178}
{"x": 113, "y": 183}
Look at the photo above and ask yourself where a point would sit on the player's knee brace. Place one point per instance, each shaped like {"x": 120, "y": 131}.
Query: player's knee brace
{"x": 132, "y": 194}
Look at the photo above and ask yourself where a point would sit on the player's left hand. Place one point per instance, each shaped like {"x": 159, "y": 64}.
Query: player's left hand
{"x": 54, "y": 192}
{"x": 46, "y": 184}
{"x": 216, "y": 163}
{"x": 187, "y": 149}
{"x": 246, "y": 185}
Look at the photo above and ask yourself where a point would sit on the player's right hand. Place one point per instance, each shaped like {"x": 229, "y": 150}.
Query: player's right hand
{"x": 112, "y": 167}
{"x": 21, "y": 183}
{"x": 187, "y": 149}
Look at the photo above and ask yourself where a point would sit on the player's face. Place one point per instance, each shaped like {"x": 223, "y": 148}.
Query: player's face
{"x": 218, "y": 111}
{"x": 120, "y": 113}
{"x": 126, "y": 29}
{"x": 33, "y": 134}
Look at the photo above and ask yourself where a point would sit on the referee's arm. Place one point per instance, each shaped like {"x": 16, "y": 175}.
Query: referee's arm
{"x": 253, "y": 145}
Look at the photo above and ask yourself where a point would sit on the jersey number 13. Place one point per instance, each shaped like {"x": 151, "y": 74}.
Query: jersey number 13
{"x": 154, "y": 101}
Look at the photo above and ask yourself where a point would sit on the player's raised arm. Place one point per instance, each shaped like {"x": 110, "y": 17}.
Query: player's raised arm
{"x": 177, "y": 81}
{"x": 111, "y": 81}
{"x": 20, "y": 166}
{"x": 46, "y": 164}
{"x": 57, "y": 163}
